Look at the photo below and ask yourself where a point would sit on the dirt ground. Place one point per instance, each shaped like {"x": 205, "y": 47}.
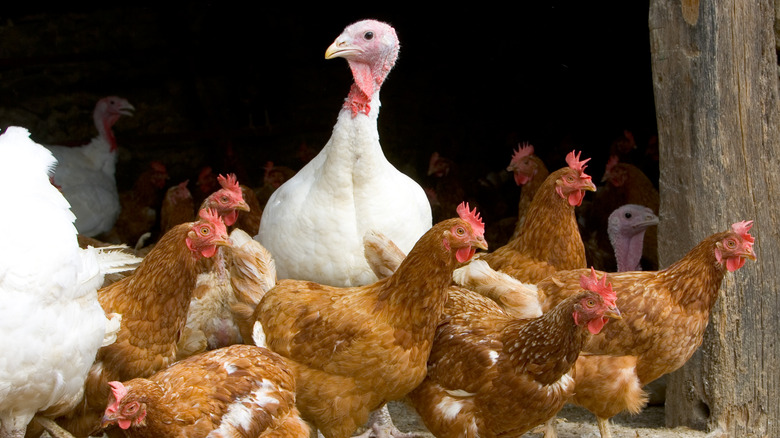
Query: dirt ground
{"x": 574, "y": 422}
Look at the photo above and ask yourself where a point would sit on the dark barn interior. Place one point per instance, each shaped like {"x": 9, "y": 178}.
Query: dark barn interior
{"x": 213, "y": 86}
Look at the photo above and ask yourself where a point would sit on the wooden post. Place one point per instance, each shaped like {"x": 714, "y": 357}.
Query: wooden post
{"x": 715, "y": 78}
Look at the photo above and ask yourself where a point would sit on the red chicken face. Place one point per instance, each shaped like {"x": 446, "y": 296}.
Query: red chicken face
{"x": 228, "y": 200}
{"x": 467, "y": 235}
{"x": 736, "y": 247}
{"x": 573, "y": 183}
{"x": 207, "y": 234}
{"x": 123, "y": 409}
{"x": 594, "y": 311}
{"x": 522, "y": 165}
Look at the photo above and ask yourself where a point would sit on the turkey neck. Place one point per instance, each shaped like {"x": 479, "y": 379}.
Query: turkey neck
{"x": 353, "y": 152}
{"x": 545, "y": 347}
{"x": 628, "y": 251}
{"x": 104, "y": 123}
{"x": 694, "y": 280}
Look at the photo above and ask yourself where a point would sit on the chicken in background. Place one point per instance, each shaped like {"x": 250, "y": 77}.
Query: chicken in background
{"x": 138, "y": 215}
{"x": 549, "y": 239}
{"x": 86, "y": 174}
{"x": 529, "y": 172}
{"x": 354, "y": 349}
{"x": 51, "y": 321}
{"x": 178, "y": 207}
{"x": 664, "y": 313}
{"x": 490, "y": 374}
{"x": 624, "y": 183}
{"x": 153, "y": 302}
{"x": 240, "y": 390}
{"x": 446, "y": 191}
{"x": 349, "y": 187}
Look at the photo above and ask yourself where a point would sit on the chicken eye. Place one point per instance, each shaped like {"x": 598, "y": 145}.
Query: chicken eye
{"x": 591, "y": 303}
{"x": 368, "y": 35}
{"x": 205, "y": 231}
{"x": 731, "y": 243}
{"x": 460, "y": 231}
{"x": 224, "y": 199}
{"x": 569, "y": 178}
{"x": 131, "y": 408}
{"x": 628, "y": 215}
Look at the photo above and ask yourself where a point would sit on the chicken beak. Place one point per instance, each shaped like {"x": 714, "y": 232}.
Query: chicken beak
{"x": 107, "y": 420}
{"x": 243, "y": 206}
{"x": 480, "y": 243}
{"x": 223, "y": 241}
{"x": 613, "y": 312}
{"x": 589, "y": 186}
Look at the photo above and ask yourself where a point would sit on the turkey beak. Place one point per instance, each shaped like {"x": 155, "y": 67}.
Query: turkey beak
{"x": 340, "y": 49}
{"x": 127, "y": 110}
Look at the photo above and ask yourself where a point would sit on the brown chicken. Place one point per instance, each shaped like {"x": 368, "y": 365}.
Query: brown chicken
{"x": 354, "y": 349}
{"x": 236, "y": 391}
{"x": 153, "y": 302}
{"x": 139, "y": 207}
{"x": 664, "y": 316}
{"x": 492, "y": 375}
{"x": 529, "y": 172}
{"x": 550, "y": 238}
{"x": 177, "y": 208}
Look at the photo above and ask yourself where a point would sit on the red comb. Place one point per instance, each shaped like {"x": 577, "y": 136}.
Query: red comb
{"x": 742, "y": 229}
{"x": 602, "y": 288}
{"x": 119, "y": 391}
{"x": 524, "y": 149}
{"x": 472, "y": 217}
{"x": 229, "y": 183}
{"x": 574, "y": 162}
{"x": 210, "y": 215}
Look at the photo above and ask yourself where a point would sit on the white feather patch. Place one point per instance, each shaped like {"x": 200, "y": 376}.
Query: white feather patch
{"x": 258, "y": 335}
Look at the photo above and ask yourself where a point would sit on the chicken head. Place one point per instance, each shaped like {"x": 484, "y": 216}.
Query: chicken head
{"x": 597, "y": 307}
{"x": 736, "y": 247}
{"x": 465, "y": 240}
{"x": 228, "y": 200}
{"x": 207, "y": 234}
{"x": 522, "y": 166}
{"x": 572, "y": 184}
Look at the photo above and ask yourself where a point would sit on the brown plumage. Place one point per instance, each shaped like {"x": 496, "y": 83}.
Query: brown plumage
{"x": 529, "y": 172}
{"x": 153, "y": 302}
{"x": 237, "y": 391}
{"x": 354, "y": 349}
{"x": 139, "y": 206}
{"x": 177, "y": 208}
{"x": 492, "y": 375}
{"x": 550, "y": 238}
{"x": 249, "y": 221}
{"x": 665, "y": 314}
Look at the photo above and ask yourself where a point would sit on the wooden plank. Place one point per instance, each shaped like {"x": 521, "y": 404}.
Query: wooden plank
{"x": 715, "y": 78}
